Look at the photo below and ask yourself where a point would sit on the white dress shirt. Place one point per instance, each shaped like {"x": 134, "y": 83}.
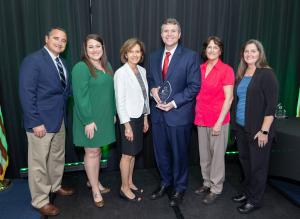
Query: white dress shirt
{"x": 170, "y": 57}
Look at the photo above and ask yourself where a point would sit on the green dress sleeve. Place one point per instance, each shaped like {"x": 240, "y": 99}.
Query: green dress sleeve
{"x": 82, "y": 103}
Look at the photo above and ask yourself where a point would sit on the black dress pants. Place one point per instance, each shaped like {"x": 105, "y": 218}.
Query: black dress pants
{"x": 255, "y": 164}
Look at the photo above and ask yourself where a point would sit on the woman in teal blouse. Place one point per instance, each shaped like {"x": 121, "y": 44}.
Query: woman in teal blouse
{"x": 94, "y": 109}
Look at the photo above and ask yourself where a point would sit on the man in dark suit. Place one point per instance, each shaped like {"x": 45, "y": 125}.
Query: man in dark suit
{"x": 172, "y": 119}
{"x": 44, "y": 90}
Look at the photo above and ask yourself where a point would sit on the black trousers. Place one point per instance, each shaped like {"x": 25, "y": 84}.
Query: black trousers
{"x": 255, "y": 164}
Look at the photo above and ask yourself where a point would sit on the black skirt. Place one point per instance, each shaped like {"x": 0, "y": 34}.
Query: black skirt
{"x": 134, "y": 147}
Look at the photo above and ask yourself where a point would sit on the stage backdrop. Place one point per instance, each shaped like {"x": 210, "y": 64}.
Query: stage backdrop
{"x": 24, "y": 24}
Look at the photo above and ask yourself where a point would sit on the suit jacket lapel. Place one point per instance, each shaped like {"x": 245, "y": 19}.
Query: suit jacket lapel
{"x": 51, "y": 64}
{"x": 174, "y": 61}
{"x": 159, "y": 63}
{"x": 53, "y": 69}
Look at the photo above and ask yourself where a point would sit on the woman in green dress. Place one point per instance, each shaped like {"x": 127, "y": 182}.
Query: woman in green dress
{"x": 94, "y": 109}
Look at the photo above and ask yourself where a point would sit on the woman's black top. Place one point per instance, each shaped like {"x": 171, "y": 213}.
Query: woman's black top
{"x": 261, "y": 100}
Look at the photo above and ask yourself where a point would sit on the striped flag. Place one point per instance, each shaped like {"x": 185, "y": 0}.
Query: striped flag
{"x": 3, "y": 148}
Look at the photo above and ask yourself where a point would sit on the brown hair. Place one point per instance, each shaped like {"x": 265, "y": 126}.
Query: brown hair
{"x": 128, "y": 45}
{"x": 260, "y": 63}
{"x": 217, "y": 41}
{"x": 103, "y": 59}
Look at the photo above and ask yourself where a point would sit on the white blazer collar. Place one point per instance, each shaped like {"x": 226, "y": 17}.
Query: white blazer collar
{"x": 129, "y": 70}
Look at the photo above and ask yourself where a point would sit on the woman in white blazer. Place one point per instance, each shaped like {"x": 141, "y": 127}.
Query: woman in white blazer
{"x": 132, "y": 101}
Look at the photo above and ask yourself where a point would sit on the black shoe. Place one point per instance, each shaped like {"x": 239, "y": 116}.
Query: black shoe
{"x": 137, "y": 191}
{"x": 135, "y": 199}
{"x": 239, "y": 198}
{"x": 159, "y": 192}
{"x": 176, "y": 199}
{"x": 210, "y": 198}
{"x": 247, "y": 208}
{"x": 202, "y": 190}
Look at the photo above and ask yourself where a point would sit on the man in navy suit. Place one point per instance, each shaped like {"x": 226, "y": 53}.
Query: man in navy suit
{"x": 172, "y": 119}
{"x": 44, "y": 90}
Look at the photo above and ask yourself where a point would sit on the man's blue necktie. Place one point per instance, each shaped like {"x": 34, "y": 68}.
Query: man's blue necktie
{"x": 61, "y": 73}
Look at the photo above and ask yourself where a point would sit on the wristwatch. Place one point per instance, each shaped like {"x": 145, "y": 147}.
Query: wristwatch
{"x": 264, "y": 132}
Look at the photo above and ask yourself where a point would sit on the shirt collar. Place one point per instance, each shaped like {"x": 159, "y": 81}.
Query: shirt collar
{"x": 217, "y": 65}
{"x": 171, "y": 51}
{"x": 51, "y": 54}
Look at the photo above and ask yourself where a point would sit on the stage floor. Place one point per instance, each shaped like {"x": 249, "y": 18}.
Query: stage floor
{"x": 81, "y": 206}
{"x": 15, "y": 202}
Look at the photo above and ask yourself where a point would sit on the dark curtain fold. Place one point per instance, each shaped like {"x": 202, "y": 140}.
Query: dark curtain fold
{"x": 24, "y": 23}
{"x": 274, "y": 22}
{"x": 23, "y": 27}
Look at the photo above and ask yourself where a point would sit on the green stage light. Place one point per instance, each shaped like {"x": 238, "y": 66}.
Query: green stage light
{"x": 73, "y": 165}
{"x": 24, "y": 171}
{"x": 231, "y": 152}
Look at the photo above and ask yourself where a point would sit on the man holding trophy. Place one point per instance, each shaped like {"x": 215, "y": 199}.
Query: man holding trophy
{"x": 174, "y": 81}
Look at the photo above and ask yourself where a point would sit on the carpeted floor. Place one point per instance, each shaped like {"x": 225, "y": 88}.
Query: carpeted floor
{"x": 15, "y": 202}
{"x": 81, "y": 206}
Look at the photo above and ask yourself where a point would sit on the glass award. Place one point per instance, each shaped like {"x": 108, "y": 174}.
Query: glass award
{"x": 280, "y": 112}
{"x": 165, "y": 92}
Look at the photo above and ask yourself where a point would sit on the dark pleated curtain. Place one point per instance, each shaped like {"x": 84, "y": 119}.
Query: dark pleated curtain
{"x": 274, "y": 22}
{"x": 23, "y": 25}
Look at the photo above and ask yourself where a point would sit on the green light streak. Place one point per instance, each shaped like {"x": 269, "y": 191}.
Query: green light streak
{"x": 231, "y": 152}
{"x": 298, "y": 105}
{"x": 25, "y": 169}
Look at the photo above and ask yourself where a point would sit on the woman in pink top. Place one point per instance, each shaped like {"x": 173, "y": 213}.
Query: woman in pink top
{"x": 212, "y": 117}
